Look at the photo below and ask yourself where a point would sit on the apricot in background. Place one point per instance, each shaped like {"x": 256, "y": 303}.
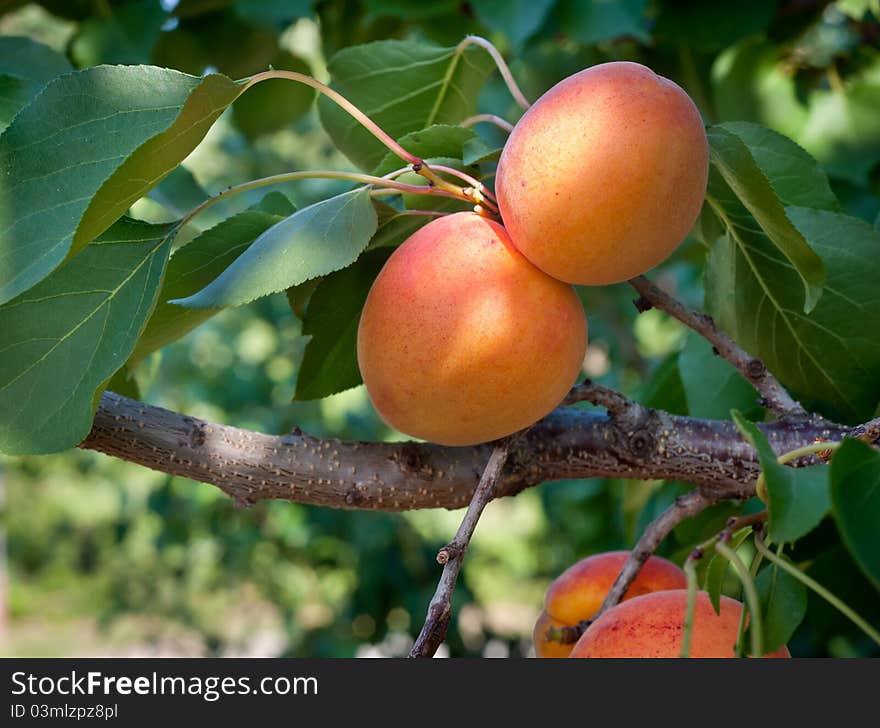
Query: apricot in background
{"x": 578, "y": 592}
{"x": 462, "y": 340}
{"x": 652, "y": 625}
{"x": 604, "y": 175}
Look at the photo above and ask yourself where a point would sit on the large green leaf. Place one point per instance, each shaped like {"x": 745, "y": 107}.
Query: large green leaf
{"x": 25, "y": 66}
{"x": 314, "y": 241}
{"x": 783, "y": 606}
{"x": 711, "y": 385}
{"x": 403, "y": 86}
{"x": 394, "y": 226}
{"x": 125, "y": 35}
{"x": 64, "y": 338}
{"x": 752, "y": 184}
{"x": 797, "y": 498}
{"x": 829, "y": 358}
{"x": 855, "y": 497}
{"x": 192, "y": 268}
{"x": 517, "y": 19}
{"x": 330, "y": 364}
{"x": 603, "y": 20}
{"x": 439, "y": 140}
{"x": 87, "y": 147}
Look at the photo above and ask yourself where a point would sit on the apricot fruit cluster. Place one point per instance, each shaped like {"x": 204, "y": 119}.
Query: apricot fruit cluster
{"x": 472, "y": 330}
{"x": 648, "y": 622}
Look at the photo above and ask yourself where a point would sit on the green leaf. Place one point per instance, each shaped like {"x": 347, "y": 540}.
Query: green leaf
{"x": 830, "y": 358}
{"x": 476, "y": 151}
{"x": 330, "y": 363}
{"x": 716, "y": 573}
{"x": 783, "y": 605}
{"x": 604, "y": 20}
{"x": 439, "y": 140}
{"x": 710, "y": 26}
{"x": 192, "y": 268}
{"x": 394, "y": 226}
{"x": 275, "y": 14}
{"x": 855, "y": 498}
{"x": 125, "y": 35}
{"x": 91, "y": 144}
{"x": 274, "y": 104}
{"x": 63, "y": 339}
{"x": 797, "y": 498}
{"x": 314, "y": 241}
{"x": 711, "y": 385}
{"x": 664, "y": 390}
{"x": 731, "y": 156}
{"x": 179, "y": 192}
{"x": 25, "y": 66}
{"x": 517, "y": 19}
{"x": 403, "y": 86}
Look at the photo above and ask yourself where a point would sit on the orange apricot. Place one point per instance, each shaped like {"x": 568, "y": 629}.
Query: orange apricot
{"x": 578, "y": 592}
{"x": 603, "y": 177}
{"x": 652, "y": 625}
{"x": 462, "y": 340}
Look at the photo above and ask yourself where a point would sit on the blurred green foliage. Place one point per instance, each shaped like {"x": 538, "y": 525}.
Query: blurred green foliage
{"x": 105, "y": 557}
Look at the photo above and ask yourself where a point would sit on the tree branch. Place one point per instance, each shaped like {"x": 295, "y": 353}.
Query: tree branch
{"x": 452, "y": 557}
{"x": 774, "y": 396}
{"x": 641, "y": 443}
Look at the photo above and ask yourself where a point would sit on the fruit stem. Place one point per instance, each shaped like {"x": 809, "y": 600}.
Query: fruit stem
{"x": 754, "y": 604}
{"x": 808, "y": 581}
{"x": 389, "y": 187}
{"x": 690, "y": 571}
{"x": 475, "y": 183}
{"x": 512, "y": 86}
{"x": 358, "y": 115}
{"x": 489, "y": 119}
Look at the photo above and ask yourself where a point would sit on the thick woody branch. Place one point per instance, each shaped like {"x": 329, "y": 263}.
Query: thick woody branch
{"x": 640, "y": 443}
{"x": 452, "y": 557}
{"x": 774, "y": 395}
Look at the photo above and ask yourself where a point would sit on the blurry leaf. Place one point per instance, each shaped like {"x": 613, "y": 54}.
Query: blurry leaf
{"x": 122, "y": 383}
{"x": 91, "y": 144}
{"x": 394, "y": 226}
{"x": 179, "y": 192}
{"x": 797, "y": 498}
{"x": 710, "y": 26}
{"x": 831, "y": 358}
{"x": 603, "y": 20}
{"x": 330, "y": 363}
{"x": 298, "y": 296}
{"x": 716, "y": 573}
{"x": 731, "y": 155}
{"x": 476, "y": 151}
{"x": 439, "y": 140}
{"x": 275, "y": 14}
{"x": 192, "y": 268}
{"x": 858, "y": 9}
{"x": 408, "y": 10}
{"x": 274, "y": 104}
{"x": 66, "y": 337}
{"x": 517, "y": 19}
{"x": 314, "y": 241}
{"x": 855, "y": 496}
{"x": 664, "y": 390}
{"x": 712, "y": 386}
{"x": 403, "y": 86}
{"x": 124, "y": 35}
{"x": 25, "y": 66}
{"x": 783, "y": 606}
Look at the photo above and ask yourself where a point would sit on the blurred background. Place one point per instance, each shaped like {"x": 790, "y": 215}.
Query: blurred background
{"x": 98, "y": 557}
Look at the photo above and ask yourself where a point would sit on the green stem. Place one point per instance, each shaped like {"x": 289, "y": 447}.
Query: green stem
{"x": 512, "y": 86}
{"x": 502, "y": 124}
{"x": 754, "y": 604}
{"x": 808, "y": 581}
{"x": 690, "y": 571}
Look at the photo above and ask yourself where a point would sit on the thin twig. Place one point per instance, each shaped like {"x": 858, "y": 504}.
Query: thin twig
{"x": 774, "y": 396}
{"x": 488, "y": 119}
{"x": 589, "y": 391}
{"x": 452, "y": 555}
{"x": 509, "y": 80}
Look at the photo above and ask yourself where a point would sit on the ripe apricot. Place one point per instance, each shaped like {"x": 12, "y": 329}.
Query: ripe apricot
{"x": 652, "y": 625}
{"x": 578, "y": 592}
{"x": 462, "y": 340}
{"x": 604, "y": 175}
